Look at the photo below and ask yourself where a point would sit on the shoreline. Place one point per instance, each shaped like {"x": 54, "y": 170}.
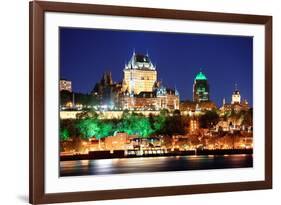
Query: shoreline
{"x": 95, "y": 155}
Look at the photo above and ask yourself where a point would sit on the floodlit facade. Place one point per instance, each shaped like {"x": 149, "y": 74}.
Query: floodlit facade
{"x": 236, "y": 105}
{"x": 140, "y": 75}
{"x": 155, "y": 100}
{"x": 236, "y": 97}
{"x": 138, "y": 90}
{"x": 142, "y": 91}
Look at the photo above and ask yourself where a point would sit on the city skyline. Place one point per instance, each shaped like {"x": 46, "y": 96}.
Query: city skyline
{"x": 86, "y": 53}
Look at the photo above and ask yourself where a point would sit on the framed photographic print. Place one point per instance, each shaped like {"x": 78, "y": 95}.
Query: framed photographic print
{"x": 138, "y": 102}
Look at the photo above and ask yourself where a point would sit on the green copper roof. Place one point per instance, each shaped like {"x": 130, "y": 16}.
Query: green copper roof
{"x": 200, "y": 76}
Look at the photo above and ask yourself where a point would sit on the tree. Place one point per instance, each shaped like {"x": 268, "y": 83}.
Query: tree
{"x": 65, "y": 97}
{"x": 126, "y": 113}
{"x": 86, "y": 99}
{"x": 105, "y": 130}
{"x": 177, "y": 113}
{"x": 158, "y": 123}
{"x": 209, "y": 119}
{"x": 64, "y": 134}
{"x": 175, "y": 125}
{"x": 143, "y": 127}
{"x": 135, "y": 124}
{"x": 248, "y": 118}
{"x": 88, "y": 127}
{"x": 169, "y": 125}
{"x": 70, "y": 126}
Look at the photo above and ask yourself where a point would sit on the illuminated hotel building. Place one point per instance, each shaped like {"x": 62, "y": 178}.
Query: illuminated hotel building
{"x": 200, "y": 88}
{"x": 138, "y": 90}
{"x": 141, "y": 90}
{"x": 140, "y": 75}
{"x": 65, "y": 85}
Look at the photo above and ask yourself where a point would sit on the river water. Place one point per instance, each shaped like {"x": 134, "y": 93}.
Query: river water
{"x": 154, "y": 164}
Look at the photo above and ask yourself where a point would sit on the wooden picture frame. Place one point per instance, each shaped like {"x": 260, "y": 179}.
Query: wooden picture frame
{"x": 37, "y": 192}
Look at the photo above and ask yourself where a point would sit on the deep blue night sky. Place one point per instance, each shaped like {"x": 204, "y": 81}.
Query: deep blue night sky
{"x": 86, "y": 53}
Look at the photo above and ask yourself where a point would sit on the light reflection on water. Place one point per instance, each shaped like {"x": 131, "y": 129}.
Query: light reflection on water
{"x": 154, "y": 164}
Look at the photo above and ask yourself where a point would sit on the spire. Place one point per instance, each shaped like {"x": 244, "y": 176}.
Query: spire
{"x": 110, "y": 81}
{"x": 176, "y": 91}
{"x": 147, "y": 53}
{"x": 236, "y": 86}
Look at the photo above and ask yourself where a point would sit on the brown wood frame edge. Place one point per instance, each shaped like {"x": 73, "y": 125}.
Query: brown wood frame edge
{"x": 37, "y": 194}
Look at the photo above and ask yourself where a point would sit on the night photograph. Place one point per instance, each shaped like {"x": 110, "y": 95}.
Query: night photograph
{"x": 139, "y": 101}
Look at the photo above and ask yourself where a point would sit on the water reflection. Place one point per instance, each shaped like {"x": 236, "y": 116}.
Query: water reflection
{"x": 153, "y": 164}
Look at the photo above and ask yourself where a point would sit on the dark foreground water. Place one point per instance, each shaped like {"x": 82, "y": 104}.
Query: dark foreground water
{"x": 154, "y": 164}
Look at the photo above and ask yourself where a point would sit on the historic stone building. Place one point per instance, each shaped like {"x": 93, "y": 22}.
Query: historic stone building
{"x": 140, "y": 75}
{"x": 106, "y": 90}
{"x": 236, "y": 104}
{"x": 160, "y": 98}
{"x": 139, "y": 89}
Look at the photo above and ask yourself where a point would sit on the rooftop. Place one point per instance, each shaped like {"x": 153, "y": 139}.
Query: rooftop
{"x": 200, "y": 76}
{"x": 140, "y": 61}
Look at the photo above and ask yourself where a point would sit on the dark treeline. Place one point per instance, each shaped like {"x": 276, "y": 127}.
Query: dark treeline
{"x": 78, "y": 98}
